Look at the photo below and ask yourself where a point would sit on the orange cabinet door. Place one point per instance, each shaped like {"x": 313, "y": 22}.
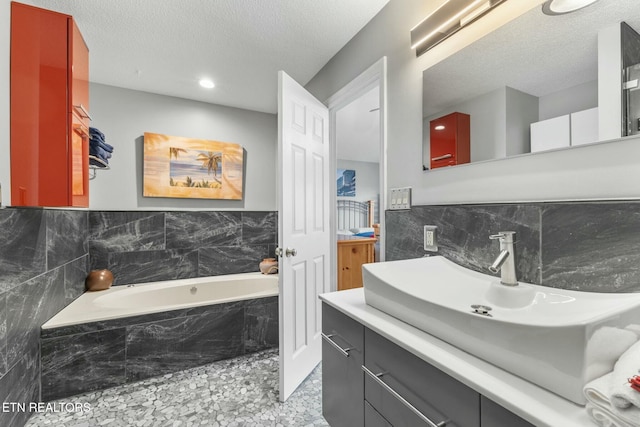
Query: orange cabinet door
{"x": 42, "y": 144}
{"x": 79, "y": 117}
{"x": 450, "y": 140}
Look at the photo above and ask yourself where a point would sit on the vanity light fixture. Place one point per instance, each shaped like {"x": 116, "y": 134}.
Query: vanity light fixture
{"x": 206, "y": 83}
{"x": 448, "y": 19}
{"x": 560, "y": 7}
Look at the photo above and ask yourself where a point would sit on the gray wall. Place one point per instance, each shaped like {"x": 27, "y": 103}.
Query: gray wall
{"x": 571, "y": 100}
{"x": 124, "y": 115}
{"x": 487, "y": 127}
{"x": 500, "y": 122}
{"x": 43, "y": 262}
{"x": 521, "y": 111}
{"x": 602, "y": 171}
{"x": 367, "y": 179}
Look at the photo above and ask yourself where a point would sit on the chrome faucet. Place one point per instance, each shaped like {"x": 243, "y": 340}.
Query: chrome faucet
{"x": 505, "y": 262}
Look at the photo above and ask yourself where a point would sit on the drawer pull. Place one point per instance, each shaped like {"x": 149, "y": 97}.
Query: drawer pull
{"x": 343, "y": 351}
{"x": 423, "y": 417}
{"x": 445, "y": 156}
{"x": 81, "y": 130}
{"x": 82, "y": 112}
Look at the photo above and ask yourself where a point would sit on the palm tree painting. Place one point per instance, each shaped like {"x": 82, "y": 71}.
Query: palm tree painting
{"x": 212, "y": 162}
{"x": 192, "y": 168}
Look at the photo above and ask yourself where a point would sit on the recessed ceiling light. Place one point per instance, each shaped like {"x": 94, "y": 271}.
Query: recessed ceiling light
{"x": 206, "y": 83}
{"x": 560, "y": 7}
{"x": 439, "y": 127}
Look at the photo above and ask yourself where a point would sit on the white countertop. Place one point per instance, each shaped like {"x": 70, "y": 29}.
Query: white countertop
{"x": 535, "y": 404}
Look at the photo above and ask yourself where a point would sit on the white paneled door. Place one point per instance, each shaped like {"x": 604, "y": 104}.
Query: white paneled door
{"x": 303, "y": 229}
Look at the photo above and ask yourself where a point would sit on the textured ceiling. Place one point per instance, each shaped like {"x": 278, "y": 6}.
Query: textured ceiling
{"x": 535, "y": 53}
{"x": 166, "y": 46}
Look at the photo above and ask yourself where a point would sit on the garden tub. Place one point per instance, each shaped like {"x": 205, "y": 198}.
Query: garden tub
{"x": 131, "y": 332}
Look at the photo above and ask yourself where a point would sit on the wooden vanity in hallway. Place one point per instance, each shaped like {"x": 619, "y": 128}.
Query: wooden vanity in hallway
{"x": 353, "y": 251}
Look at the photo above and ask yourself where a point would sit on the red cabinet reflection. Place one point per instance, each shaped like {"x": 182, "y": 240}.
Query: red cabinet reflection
{"x": 450, "y": 140}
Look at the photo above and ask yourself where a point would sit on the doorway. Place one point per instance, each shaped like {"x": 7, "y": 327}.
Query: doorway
{"x": 357, "y": 117}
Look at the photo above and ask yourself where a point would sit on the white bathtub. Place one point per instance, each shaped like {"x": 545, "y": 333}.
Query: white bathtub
{"x": 144, "y": 298}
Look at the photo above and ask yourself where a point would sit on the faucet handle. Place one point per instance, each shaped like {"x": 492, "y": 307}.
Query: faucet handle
{"x": 503, "y": 236}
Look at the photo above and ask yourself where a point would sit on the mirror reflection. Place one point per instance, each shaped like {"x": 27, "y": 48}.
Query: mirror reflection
{"x": 537, "y": 83}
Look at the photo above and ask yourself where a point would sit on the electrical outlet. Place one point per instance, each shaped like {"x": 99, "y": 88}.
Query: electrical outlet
{"x": 430, "y": 240}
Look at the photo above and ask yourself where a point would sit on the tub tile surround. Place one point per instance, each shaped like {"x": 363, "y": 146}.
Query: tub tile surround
{"x": 586, "y": 246}
{"x": 98, "y": 355}
{"x": 24, "y": 246}
{"x": 149, "y": 246}
{"x": 42, "y": 257}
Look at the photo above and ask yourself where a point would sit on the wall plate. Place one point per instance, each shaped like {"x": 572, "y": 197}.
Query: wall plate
{"x": 430, "y": 238}
{"x": 400, "y": 198}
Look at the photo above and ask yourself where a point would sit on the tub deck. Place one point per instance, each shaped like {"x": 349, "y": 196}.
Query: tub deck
{"x": 156, "y": 297}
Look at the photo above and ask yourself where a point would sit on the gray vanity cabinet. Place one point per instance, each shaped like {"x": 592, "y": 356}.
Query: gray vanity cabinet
{"x": 494, "y": 415}
{"x": 372, "y": 418}
{"x": 368, "y": 381}
{"x": 342, "y": 375}
{"x": 407, "y": 391}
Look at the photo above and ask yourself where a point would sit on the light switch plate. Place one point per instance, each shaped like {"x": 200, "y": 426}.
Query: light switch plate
{"x": 400, "y": 198}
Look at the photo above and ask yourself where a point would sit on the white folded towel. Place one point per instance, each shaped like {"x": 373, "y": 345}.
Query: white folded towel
{"x": 633, "y": 328}
{"x": 597, "y": 390}
{"x": 597, "y": 394}
{"x": 604, "y": 417}
{"x": 621, "y": 394}
{"x": 605, "y": 347}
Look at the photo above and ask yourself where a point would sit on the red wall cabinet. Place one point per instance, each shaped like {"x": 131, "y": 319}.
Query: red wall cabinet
{"x": 450, "y": 139}
{"x": 49, "y": 109}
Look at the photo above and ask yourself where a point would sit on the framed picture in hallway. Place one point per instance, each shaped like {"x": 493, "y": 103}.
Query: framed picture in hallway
{"x": 191, "y": 168}
{"x": 346, "y": 182}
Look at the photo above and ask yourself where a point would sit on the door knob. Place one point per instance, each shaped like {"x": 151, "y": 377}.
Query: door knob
{"x": 279, "y": 252}
{"x": 290, "y": 252}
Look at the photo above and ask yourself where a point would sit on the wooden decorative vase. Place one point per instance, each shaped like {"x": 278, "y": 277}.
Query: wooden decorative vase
{"x": 98, "y": 280}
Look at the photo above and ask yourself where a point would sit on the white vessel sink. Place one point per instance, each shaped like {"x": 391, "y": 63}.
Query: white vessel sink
{"x": 536, "y": 332}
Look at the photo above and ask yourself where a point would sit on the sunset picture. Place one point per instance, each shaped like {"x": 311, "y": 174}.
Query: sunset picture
{"x": 191, "y": 168}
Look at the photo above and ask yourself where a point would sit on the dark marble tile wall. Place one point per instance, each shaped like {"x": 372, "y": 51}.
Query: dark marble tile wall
{"x": 588, "y": 246}
{"x": 150, "y": 246}
{"x": 43, "y": 261}
{"x": 98, "y": 355}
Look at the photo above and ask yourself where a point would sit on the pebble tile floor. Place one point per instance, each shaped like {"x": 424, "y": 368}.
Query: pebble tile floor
{"x": 236, "y": 392}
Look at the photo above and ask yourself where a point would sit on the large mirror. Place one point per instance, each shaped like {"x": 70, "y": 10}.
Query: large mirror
{"x": 526, "y": 78}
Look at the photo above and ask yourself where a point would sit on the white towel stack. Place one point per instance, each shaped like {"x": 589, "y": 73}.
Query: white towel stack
{"x": 611, "y": 402}
{"x": 605, "y": 346}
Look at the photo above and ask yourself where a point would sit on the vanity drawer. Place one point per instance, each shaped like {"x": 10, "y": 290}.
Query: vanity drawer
{"x": 372, "y": 418}
{"x": 342, "y": 375}
{"x": 406, "y": 381}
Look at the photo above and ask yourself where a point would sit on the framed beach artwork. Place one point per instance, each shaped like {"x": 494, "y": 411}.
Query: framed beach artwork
{"x": 191, "y": 168}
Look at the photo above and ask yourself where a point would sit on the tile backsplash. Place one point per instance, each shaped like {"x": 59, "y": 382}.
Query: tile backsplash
{"x": 43, "y": 262}
{"x": 45, "y": 255}
{"x": 586, "y": 246}
{"x": 148, "y": 246}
